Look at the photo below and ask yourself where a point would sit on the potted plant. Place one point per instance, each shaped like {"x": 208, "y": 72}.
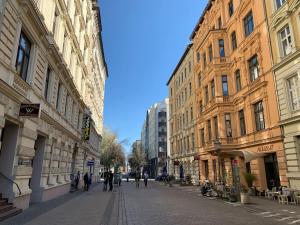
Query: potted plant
{"x": 250, "y": 178}
{"x": 171, "y": 180}
{"x": 244, "y": 195}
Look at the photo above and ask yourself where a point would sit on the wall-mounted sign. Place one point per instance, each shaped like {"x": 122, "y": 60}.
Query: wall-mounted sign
{"x": 29, "y": 110}
{"x": 86, "y": 130}
{"x": 265, "y": 148}
{"x": 90, "y": 163}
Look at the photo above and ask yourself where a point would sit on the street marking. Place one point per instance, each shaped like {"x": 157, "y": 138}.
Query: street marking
{"x": 292, "y": 212}
{"x": 285, "y": 218}
{"x": 295, "y": 221}
{"x": 272, "y": 215}
{"x": 285, "y": 210}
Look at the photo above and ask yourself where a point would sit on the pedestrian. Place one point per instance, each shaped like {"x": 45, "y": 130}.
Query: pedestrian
{"x": 120, "y": 179}
{"x": 105, "y": 177}
{"x": 86, "y": 181}
{"x": 137, "y": 179}
{"x": 110, "y": 180}
{"x": 146, "y": 176}
{"x": 77, "y": 178}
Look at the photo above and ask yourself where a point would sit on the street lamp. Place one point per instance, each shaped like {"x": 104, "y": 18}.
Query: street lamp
{"x": 217, "y": 145}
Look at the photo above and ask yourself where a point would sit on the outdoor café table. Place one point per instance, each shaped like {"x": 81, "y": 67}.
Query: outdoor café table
{"x": 273, "y": 194}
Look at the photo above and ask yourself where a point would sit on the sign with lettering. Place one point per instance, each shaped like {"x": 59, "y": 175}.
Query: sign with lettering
{"x": 90, "y": 163}
{"x": 86, "y": 130}
{"x": 265, "y": 148}
{"x": 29, "y": 110}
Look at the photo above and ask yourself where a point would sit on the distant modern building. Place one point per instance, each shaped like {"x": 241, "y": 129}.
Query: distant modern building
{"x": 154, "y": 137}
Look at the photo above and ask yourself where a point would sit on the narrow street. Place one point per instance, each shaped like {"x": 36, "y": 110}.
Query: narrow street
{"x": 154, "y": 205}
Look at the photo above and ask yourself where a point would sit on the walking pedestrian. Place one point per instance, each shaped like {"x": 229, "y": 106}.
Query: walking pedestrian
{"x": 86, "y": 181}
{"x": 110, "y": 180}
{"x": 105, "y": 177}
{"x": 77, "y": 180}
{"x": 137, "y": 179}
{"x": 146, "y": 176}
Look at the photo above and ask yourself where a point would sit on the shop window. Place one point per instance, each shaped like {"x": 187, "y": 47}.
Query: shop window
{"x": 23, "y": 56}
{"x": 248, "y": 24}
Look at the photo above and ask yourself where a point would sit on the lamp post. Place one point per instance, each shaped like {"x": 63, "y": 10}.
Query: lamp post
{"x": 217, "y": 145}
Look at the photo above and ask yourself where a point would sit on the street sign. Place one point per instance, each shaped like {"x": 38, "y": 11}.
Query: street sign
{"x": 29, "y": 110}
{"x": 90, "y": 163}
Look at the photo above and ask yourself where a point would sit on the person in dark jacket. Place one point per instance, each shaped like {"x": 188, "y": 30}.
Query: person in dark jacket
{"x": 86, "y": 182}
{"x": 77, "y": 180}
{"x": 106, "y": 178}
{"x": 110, "y": 180}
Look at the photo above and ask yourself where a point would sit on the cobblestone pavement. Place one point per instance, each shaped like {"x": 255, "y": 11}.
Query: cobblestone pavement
{"x": 155, "y": 205}
{"x": 170, "y": 206}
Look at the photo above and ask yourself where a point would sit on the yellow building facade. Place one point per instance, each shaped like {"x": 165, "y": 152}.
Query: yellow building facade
{"x": 182, "y": 111}
{"x": 237, "y": 121}
{"x": 284, "y": 30}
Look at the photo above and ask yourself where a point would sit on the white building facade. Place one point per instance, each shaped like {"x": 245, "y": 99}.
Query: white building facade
{"x": 51, "y": 54}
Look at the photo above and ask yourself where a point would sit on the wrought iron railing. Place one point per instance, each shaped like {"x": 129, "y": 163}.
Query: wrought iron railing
{"x": 10, "y": 180}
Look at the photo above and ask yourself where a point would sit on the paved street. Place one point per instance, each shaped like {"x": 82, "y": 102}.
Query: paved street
{"x": 155, "y": 205}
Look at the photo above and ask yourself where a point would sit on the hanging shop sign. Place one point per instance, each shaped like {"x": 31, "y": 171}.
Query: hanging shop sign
{"x": 86, "y": 128}
{"x": 29, "y": 110}
{"x": 196, "y": 158}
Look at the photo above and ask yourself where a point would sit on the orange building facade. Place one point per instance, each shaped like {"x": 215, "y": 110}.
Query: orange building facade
{"x": 237, "y": 120}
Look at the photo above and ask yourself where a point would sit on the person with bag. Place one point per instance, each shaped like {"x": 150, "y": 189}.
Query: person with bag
{"x": 86, "y": 182}
{"x": 110, "y": 180}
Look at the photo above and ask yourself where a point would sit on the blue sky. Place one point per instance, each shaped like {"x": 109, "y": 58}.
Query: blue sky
{"x": 143, "y": 42}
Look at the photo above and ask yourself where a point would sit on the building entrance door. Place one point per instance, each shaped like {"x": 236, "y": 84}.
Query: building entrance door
{"x": 37, "y": 167}
{"x": 272, "y": 171}
{"x": 9, "y": 138}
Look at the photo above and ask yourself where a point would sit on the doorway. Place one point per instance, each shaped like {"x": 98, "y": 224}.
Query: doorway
{"x": 37, "y": 167}
{"x": 9, "y": 138}
{"x": 272, "y": 171}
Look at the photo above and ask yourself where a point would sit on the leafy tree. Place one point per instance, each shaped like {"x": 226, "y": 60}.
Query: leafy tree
{"x": 112, "y": 152}
{"x": 137, "y": 158}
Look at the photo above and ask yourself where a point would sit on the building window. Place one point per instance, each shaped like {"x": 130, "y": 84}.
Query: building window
{"x": 190, "y": 66}
{"x": 193, "y": 141}
{"x": 228, "y": 125}
{"x": 279, "y": 3}
{"x": 230, "y": 8}
{"x": 209, "y": 129}
{"x": 216, "y": 127}
{"x": 201, "y": 107}
{"x": 199, "y": 80}
{"x": 198, "y": 56}
{"x": 233, "y": 41}
{"x": 259, "y": 116}
{"x": 210, "y": 53}
{"x": 206, "y": 94}
{"x": 225, "y": 85}
{"x": 171, "y": 91}
{"x": 221, "y": 48}
{"x": 55, "y": 21}
{"x": 206, "y": 169}
{"x": 248, "y": 24}
{"x": 23, "y": 56}
{"x": 58, "y": 95}
{"x": 184, "y": 72}
{"x": 66, "y": 104}
{"x": 204, "y": 59}
{"x": 213, "y": 88}
{"x": 220, "y": 22}
{"x": 47, "y": 83}
{"x": 285, "y": 40}
{"x": 190, "y": 85}
{"x": 253, "y": 68}
{"x": 202, "y": 137}
{"x": 294, "y": 91}
{"x": 192, "y": 115}
{"x": 238, "y": 84}
{"x": 242, "y": 122}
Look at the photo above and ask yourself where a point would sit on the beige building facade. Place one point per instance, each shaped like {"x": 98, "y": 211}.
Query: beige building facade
{"x": 284, "y": 28}
{"x": 182, "y": 110}
{"x": 238, "y": 126}
{"x": 51, "y": 54}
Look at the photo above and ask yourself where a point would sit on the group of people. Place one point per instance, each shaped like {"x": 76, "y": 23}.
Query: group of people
{"x": 108, "y": 177}
{"x": 138, "y": 177}
{"x": 86, "y": 179}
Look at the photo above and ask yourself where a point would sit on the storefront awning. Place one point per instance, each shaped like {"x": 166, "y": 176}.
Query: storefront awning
{"x": 247, "y": 155}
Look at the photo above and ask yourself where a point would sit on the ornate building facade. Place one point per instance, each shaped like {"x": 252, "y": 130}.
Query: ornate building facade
{"x": 182, "y": 109}
{"x": 284, "y": 31}
{"x": 237, "y": 122}
{"x": 51, "y": 54}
